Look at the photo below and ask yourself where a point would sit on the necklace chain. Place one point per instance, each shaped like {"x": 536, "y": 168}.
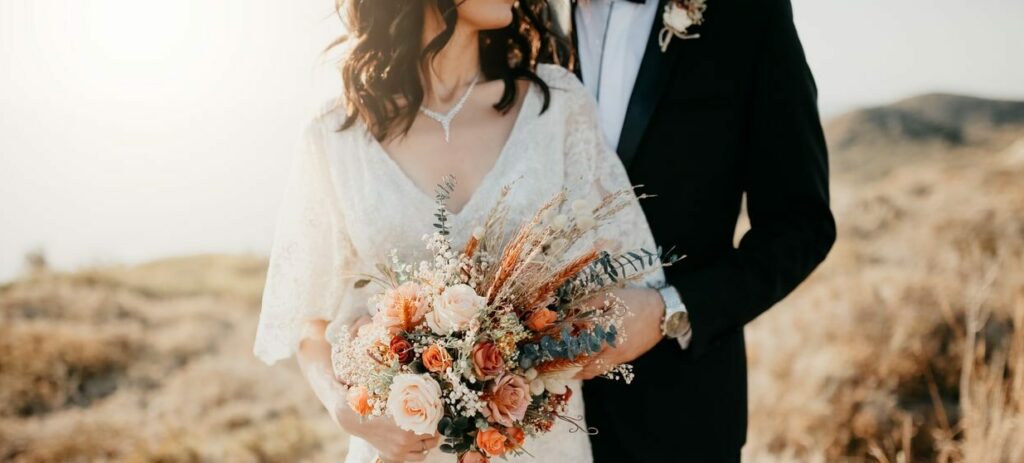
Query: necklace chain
{"x": 446, "y": 119}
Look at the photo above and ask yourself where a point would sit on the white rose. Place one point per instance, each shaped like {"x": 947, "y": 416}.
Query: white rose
{"x": 454, "y": 308}
{"x": 414, "y": 402}
{"x": 676, "y": 17}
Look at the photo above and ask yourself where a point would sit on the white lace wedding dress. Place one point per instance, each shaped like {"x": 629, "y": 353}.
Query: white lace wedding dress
{"x": 348, "y": 204}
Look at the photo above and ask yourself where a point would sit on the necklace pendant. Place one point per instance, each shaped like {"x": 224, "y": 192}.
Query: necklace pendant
{"x": 447, "y": 126}
{"x": 446, "y": 119}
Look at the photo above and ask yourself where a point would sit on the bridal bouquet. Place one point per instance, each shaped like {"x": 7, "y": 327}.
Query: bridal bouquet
{"x": 479, "y": 343}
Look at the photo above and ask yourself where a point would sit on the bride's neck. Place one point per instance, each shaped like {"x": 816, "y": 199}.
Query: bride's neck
{"x": 454, "y": 67}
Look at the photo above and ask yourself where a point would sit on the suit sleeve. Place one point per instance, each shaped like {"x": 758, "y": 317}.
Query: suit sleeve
{"x": 785, "y": 175}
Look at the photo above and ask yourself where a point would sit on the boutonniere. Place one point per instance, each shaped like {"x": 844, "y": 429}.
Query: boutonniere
{"x": 678, "y": 17}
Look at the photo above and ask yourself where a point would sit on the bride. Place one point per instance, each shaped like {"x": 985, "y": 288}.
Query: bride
{"x": 431, "y": 88}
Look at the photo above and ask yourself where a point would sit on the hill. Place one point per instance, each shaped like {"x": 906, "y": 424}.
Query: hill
{"x": 871, "y": 142}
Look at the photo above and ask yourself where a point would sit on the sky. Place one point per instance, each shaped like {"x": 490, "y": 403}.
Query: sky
{"x": 136, "y": 129}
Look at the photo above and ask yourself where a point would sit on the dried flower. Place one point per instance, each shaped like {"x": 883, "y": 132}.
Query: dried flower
{"x": 516, "y": 436}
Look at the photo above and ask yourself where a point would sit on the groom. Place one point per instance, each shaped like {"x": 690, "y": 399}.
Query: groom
{"x": 727, "y": 108}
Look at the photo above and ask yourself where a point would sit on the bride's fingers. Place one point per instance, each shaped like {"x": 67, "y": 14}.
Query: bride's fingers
{"x": 422, "y": 448}
{"x": 432, "y": 441}
{"x": 415, "y": 456}
{"x": 354, "y": 328}
{"x": 596, "y": 367}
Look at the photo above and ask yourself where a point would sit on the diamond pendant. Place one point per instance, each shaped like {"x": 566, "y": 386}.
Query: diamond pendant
{"x": 446, "y": 119}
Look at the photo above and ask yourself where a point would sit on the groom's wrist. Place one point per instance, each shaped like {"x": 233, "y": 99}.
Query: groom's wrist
{"x": 676, "y": 322}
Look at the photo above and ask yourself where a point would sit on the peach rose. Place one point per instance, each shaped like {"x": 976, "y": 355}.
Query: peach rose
{"x": 491, "y": 441}
{"x": 487, "y": 361}
{"x": 436, "y": 359}
{"x": 454, "y": 309}
{"x": 401, "y": 308}
{"x": 507, "y": 400}
{"x": 414, "y": 402}
{"x": 473, "y": 456}
{"x": 541, "y": 319}
{"x": 358, "y": 399}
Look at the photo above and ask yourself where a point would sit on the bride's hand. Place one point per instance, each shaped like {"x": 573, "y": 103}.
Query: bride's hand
{"x": 383, "y": 434}
{"x": 392, "y": 442}
{"x": 642, "y": 329}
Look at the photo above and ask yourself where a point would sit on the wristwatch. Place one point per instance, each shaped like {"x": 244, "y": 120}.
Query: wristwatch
{"x": 676, "y": 323}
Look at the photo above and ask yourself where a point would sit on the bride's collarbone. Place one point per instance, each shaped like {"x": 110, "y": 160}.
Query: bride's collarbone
{"x": 425, "y": 158}
{"x": 478, "y": 138}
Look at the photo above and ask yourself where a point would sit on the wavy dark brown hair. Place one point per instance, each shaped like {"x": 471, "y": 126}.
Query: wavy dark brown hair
{"x": 385, "y": 59}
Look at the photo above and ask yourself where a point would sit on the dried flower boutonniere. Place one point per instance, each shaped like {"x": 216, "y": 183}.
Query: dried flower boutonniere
{"x": 679, "y": 15}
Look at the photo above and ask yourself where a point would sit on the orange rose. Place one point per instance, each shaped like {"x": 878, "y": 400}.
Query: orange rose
{"x": 487, "y": 361}
{"x": 491, "y": 441}
{"x": 358, "y": 399}
{"x": 402, "y": 350}
{"x": 517, "y": 435}
{"x": 436, "y": 359}
{"x": 541, "y": 319}
{"x": 473, "y": 457}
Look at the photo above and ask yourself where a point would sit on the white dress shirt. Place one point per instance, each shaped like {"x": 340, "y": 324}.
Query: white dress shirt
{"x": 612, "y": 38}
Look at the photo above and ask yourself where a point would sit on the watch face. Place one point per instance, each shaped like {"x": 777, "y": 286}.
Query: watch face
{"x": 676, "y": 324}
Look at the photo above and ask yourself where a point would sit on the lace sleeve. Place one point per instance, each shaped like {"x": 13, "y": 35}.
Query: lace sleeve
{"x": 593, "y": 170}
{"x": 310, "y": 255}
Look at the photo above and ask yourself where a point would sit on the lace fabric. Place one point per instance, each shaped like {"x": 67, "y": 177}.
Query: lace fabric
{"x": 347, "y": 206}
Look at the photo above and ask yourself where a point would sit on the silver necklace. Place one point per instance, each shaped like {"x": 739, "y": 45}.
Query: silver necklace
{"x": 446, "y": 119}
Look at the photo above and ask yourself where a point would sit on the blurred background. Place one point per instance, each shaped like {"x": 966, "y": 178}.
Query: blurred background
{"x": 143, "y": 146}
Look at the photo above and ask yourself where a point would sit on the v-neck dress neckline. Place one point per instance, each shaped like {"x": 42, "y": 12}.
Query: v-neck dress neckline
{"x": 486, "y": 182}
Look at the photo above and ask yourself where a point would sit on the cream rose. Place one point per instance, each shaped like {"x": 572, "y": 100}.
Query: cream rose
{"x": 414, "y": 402}
{"x": 454, "y": 308}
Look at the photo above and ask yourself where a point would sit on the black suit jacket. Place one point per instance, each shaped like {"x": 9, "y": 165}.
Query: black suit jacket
{"x": 732, "y": 112}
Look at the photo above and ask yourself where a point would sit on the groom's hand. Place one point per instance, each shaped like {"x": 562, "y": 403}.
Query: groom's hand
{"x": 642, "y": 329}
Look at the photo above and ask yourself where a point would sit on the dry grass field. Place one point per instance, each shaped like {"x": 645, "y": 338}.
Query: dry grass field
{"x": 907, "y": 345}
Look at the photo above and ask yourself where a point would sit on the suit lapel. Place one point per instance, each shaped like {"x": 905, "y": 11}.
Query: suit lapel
{"x": 651, "y": 82}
